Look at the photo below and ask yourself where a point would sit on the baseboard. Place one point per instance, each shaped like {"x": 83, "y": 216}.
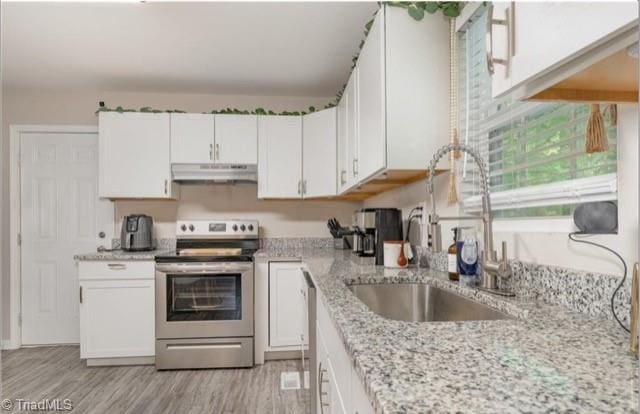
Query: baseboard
{"x": 280, "y": 355}
{"x": 6, "y": 345}
{"x": 117, "y": 361}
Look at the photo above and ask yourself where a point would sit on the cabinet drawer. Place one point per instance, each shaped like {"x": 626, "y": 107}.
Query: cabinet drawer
{"x": 116, "y": 269}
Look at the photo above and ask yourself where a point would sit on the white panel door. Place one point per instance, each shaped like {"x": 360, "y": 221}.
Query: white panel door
{"x": 371, "y": 102}
{"x": 319, "y": 153}
{"x": 135, "y": 155}
{"x": 286, "y": 304}
{"x": 61, "y": 215}
{"x": 279, "y": 157}
{"x": 118, "y": 318}
{"x": 236, "y": 139}
{"x": 192, "y": 138}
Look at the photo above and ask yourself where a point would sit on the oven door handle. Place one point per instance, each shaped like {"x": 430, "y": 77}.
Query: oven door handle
{"x": 198, "y": 269}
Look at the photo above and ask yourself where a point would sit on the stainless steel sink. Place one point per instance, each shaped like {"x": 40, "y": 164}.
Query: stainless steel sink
{"x": 422, "y": 303}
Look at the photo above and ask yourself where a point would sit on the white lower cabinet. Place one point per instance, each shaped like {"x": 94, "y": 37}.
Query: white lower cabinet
{"x": 339, "y": 389}
{"x": 117, "y": 309}
{"x": 286, "y": 305}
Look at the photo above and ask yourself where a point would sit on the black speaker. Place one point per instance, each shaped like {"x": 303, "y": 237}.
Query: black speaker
{"x": 597, "y": 218}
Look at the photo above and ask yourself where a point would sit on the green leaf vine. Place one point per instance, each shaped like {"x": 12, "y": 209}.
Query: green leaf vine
{"x": 415, "y": 9}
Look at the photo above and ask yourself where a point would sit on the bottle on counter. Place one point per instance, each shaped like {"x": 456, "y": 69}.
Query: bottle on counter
{"x": 467, "y": 246}
{"x": 452, "y": 256}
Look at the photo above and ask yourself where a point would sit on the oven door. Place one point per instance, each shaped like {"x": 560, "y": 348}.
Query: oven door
{"x": 204, "y": 300}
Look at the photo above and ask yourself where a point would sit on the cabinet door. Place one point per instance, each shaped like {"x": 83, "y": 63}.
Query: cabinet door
{"x": 347, "y": 152}
{"x": 319, "y": 153}
{"x": 134, "y": 155}
{"x": 236, "y": 139}
{"x": 342, "y": 156}
{"x": 371, "y": 102}
{"x": 286, "y": 304}
{"x": 549, "y": 34}
{"x": 336, "y": 404}
{"x": 117, "y": 318}
{"x": 353, "y": 141}
{"x": 279, "y": 157}
{"x": 192, "y": 138}
{"x": 359, "y": 399}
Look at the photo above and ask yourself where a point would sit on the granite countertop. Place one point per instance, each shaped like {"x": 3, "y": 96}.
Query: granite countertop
{"x": 120, "y": 255}
{"x": 547, "y": 359}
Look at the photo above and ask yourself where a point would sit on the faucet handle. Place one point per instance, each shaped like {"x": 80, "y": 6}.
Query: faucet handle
{"x": 503, "y": 269}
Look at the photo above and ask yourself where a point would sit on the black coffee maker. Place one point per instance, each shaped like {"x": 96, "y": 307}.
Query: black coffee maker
{"x": 372, "y": 227}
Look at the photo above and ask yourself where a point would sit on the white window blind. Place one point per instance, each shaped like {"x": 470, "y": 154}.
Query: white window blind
{"x": 534, "y": 151}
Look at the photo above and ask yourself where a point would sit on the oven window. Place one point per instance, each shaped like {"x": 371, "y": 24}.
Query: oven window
{"x": 204, "y": 297}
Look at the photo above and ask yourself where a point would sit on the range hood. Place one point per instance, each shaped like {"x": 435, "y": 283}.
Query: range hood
{"x": 214, "y": 173}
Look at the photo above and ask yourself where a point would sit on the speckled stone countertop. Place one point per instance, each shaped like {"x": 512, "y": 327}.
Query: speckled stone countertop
{"x": 119, "y": 255}
{"x": 546, "y": 360}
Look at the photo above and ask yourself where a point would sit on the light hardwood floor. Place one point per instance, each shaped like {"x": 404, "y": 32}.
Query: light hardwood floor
{"x": 57, "y": 372}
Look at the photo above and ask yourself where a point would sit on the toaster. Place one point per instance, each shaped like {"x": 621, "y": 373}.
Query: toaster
{"x": 137, "y": 233}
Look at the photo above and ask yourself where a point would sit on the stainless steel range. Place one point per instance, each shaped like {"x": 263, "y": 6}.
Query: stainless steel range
{"x": 204, "y": 296}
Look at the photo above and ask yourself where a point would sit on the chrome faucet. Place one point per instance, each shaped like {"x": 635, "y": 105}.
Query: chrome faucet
{"x": 492, "y": 269}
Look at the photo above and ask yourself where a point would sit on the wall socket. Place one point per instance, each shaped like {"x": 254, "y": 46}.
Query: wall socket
{"x": 425, "y": 214}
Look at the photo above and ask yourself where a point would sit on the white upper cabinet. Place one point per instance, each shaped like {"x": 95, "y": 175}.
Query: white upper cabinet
{"x": 279, "y": 156}
{"x": 371, "y": 101}
{"x": 319, "y": 153}
{"x": 554, "y": 40}
{"x": 393, "y": 114}
{"x": 214, "y": 139}
{"x": 192, "y": 138}
{"x": 236, "y": 139}
{"x": 348, "y": 134}
{"x": 417, "y": 89}
{"x": 134, "y": 159}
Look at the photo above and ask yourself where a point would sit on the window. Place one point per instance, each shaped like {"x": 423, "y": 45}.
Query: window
{"x": 534, "y": 151}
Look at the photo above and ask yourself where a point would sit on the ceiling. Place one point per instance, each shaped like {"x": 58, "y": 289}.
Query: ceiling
{"x": 267, "y": 48}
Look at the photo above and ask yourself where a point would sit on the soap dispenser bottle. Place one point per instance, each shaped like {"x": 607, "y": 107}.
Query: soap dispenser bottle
{"x": 452, "y": 257}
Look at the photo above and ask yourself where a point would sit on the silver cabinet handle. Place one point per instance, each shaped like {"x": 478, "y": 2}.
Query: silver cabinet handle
{"x": 355, "y": 167}
{"x": 304, "y": 187}
{"x": 300, "y": 187}
{"x": 166, "y": 186}
{"x": 211, "y": 152}
{"x": 321, "y": 393}
{"x": 80, "y": 294}
{"x": 217, "y": 151}
{"x": 508, "y": 23}
{"x": 343, "y": 180}
{"x": 117, "y": 266}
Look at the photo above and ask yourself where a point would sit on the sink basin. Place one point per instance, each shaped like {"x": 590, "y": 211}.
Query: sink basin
{"x": 416, "y": 302}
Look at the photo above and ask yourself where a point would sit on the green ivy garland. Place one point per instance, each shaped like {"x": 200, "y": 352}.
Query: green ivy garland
{"x": 415, "y": 9}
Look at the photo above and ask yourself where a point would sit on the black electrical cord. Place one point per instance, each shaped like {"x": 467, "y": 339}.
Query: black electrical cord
{"x": 624, "y": 276}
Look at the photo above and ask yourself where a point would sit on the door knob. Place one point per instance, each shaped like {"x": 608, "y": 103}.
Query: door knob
{"x": 101, "y": 234}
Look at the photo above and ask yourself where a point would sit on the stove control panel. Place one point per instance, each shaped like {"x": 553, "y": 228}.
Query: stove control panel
{"x": 217, "y": 229}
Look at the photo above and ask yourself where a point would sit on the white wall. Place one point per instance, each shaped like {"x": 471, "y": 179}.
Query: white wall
{"x": 278, "y": 218}
{"x": 546, "y": 241}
